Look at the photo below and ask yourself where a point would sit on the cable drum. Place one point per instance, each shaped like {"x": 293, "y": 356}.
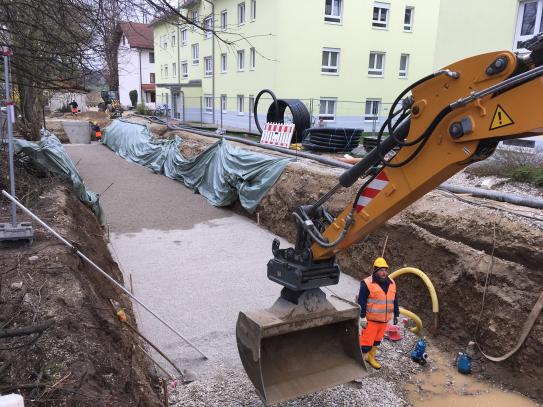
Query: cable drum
{"x": 276, "y": 114}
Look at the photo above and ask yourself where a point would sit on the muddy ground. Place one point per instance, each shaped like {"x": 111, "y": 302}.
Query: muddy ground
{"x": 85, "y": 357}
{"x": 452, "y": 242}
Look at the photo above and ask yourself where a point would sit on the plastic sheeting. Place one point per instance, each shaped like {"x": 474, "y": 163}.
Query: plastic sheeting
{"x": 50, "y": 155}
{"x": 221, "y": 174}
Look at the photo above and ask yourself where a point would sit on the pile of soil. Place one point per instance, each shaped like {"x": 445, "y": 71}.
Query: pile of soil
{"x": 85, "y": 357}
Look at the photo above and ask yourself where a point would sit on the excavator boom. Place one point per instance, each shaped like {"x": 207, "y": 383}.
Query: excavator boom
{"x": 454, "y": 117}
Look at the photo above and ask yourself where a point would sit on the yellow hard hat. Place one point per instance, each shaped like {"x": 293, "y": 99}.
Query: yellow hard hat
{"x": 380, "y": 263}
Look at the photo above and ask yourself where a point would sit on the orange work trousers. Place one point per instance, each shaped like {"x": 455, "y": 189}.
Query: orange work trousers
{"x": 374, "y": 332}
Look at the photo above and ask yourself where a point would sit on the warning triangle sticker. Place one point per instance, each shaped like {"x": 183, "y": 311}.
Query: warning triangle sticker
{"x": 500, "y": 119}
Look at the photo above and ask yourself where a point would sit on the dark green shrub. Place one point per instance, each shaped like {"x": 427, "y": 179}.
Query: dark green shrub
{"x": 133, "y": 97}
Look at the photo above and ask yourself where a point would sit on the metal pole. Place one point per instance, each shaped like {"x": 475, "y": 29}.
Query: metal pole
{"x": 201, "y": 112}
{"x": 10, "y": 111}
{"x": 220, "y": 104}
{"x": 249, "y": 115}
{"x": 95, "y": 266}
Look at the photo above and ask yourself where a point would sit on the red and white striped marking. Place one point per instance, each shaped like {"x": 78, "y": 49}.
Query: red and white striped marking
{"x": 371, "y": 191}
{"x": 277, "y": 134}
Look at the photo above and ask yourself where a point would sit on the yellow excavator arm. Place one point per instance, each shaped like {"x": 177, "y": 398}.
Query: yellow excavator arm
{"x": 472, "y": 119}
{"x": 307, "y": 341}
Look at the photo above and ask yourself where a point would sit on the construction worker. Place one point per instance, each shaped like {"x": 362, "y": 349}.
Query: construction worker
{"x": 73, "y": 104}
{"x": 378, "y": 305}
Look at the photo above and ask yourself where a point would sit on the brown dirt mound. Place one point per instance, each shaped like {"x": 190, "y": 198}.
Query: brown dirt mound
{"x": 85, "y": 358}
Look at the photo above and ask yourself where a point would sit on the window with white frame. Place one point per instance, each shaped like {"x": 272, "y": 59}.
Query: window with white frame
{"x": 165, "y": 71}
{"x": 164, "y": 41}
{"x": 184, "y": 37}
{"x": 208, "y": 66}
{"x": 174, "y": 69}
{"x": 251, "y": 105}
{"x": 224, "y": 20}
{"x": 241, "y": 13}
{"x": 173, "y": 39}
{"x": 529, "y": 23}
{"x": 240, "y": 105}
{"x": 377, "y": 64}
{"x": 252, "y": 57}
{"x": 327, "y": 109}
{"x": 184, "y": 69}
{"x": 408, "y": 19}
{"x": 208, "y": 27}
{"x": 194, "y": 16}
{"x": 332, "y": 11}
{"x": 224, "y": 103}
{"x": 253, "y": 10}
{"x": 162, "y": 71}
{"x": 208, "y": 103}
{"x": 224, "y": 63}
{"x": 380, "y": 15}
{"x": 241, "y": 60}
{"x": 151, "y": 57}
{"x": 373, "y": 107}
{"x": 404, "y": 65}
{"x": 195, "y": 54}
{"x": 330, "y": 61}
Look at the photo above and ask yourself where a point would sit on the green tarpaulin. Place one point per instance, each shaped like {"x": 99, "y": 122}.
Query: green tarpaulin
{"x": 51, "y": 156}
{"x": 222, "y": 173}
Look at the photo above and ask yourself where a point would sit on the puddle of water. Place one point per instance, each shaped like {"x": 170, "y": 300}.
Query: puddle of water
{"x": 443, "y": 386}
{"x": 495, "y": 398}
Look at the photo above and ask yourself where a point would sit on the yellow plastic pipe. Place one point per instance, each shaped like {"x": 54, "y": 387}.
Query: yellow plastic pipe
{"x": 429, "y": 285}
{"x": 418, "y": 322}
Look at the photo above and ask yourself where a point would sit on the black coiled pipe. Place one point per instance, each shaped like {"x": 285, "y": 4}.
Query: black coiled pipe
{"x": 276, "y": 114}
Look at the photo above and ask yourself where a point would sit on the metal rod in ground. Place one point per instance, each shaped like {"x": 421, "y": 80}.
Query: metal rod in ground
{"x": 10, "y": 115}
{"x": 95, "y": 266}
{"x": 155, "y": 362}
{"x": 152, "y": 345}
{"x": 384, "y": 247}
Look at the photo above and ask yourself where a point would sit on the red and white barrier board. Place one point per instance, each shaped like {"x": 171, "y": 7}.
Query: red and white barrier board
{"x": 277, "y": 134}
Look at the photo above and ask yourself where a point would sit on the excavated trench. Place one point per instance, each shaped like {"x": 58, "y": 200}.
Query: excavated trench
{"x": 452, "y": 242}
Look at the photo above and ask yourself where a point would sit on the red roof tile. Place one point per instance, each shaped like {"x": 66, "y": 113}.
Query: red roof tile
{"x": 138, "y": 35}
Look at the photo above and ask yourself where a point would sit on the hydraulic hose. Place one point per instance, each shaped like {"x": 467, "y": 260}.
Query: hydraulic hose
{"x": 429, "y": 285}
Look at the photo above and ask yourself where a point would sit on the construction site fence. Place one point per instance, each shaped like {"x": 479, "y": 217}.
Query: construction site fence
{"x": 236, "y": 113}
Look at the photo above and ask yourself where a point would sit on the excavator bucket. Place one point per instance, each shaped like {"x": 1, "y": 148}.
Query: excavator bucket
{"x": 290, "y": 350}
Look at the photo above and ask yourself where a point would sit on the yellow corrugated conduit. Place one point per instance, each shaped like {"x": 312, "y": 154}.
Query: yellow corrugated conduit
{"x": 433, "y": 295}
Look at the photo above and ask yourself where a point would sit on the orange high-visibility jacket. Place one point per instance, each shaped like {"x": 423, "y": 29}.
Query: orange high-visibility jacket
{"x": 380, "y": 306}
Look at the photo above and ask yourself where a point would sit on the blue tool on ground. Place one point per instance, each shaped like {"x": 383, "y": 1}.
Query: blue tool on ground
{"x": 418, "y": 354}
{"x": 463, "y": 363}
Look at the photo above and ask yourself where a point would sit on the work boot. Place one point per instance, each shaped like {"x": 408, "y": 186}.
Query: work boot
{"x": 370, "y": 358}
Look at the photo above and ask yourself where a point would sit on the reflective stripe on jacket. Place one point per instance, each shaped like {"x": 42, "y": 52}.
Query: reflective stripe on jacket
{"x": 380, "y": 306}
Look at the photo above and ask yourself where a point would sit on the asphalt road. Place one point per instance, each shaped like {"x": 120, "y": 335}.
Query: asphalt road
{"x": 194, "y": 264}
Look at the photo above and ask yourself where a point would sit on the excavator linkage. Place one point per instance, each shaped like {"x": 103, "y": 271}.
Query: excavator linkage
{"x": 290, "y": 350}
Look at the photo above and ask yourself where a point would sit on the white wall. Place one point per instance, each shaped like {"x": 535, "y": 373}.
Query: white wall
{"x": 58, "y": 99}
{"x": 129, "y": 72}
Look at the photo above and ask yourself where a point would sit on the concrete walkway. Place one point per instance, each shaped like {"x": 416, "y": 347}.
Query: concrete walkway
{"x": 194, "y": 264}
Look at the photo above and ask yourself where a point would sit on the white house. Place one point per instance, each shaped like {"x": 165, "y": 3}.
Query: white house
{"x": 136, "y": 60}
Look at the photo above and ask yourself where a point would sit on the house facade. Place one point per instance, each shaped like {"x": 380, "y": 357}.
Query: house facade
{"x": 347, "y": 60}
{"x": 136, "y": 63}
